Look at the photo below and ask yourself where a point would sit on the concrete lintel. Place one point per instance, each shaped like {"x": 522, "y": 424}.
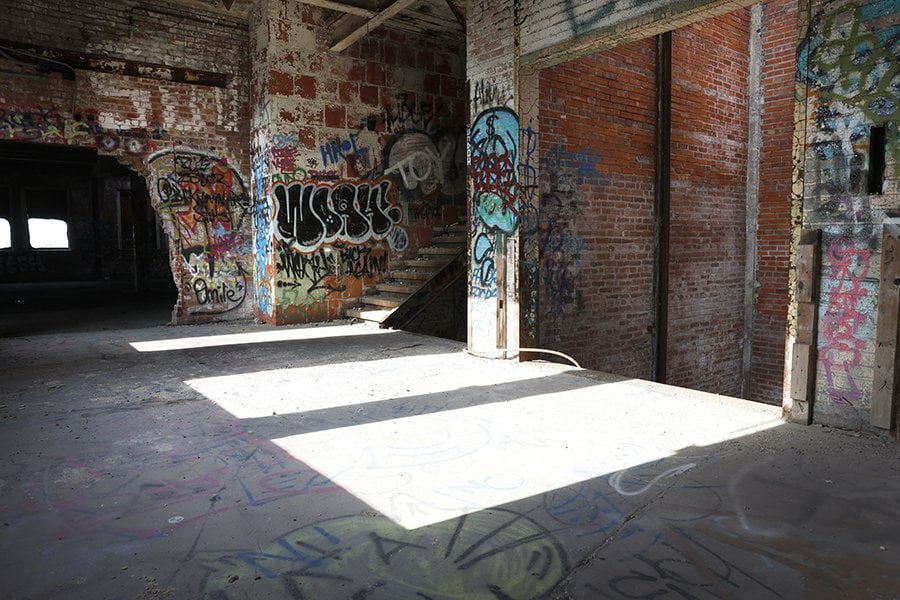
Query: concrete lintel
{"x": 679, "y": 14}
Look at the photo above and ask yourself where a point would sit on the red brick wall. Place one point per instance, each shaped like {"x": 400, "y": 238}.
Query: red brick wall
{"x": 597, "y": 141}
{"x": 779, "y": 40}
{"x": 597, "y": 135}
{"x": 709, "y": 166}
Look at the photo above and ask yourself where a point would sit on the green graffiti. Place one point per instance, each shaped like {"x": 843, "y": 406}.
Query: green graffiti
{"x": 491, "y": 209}
{"x": 856, "y": 66}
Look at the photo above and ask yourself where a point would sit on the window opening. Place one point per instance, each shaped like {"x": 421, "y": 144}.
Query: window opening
{"x": 48, "y": 219}
{"x": 5, "y": 217}
{"x": 876, "y": 160}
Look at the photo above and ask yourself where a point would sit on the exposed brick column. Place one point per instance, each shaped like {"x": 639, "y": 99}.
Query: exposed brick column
{"x": 357, "y": 156}
{"x": 495, "y": 155}
{"x": 779, "y": 44}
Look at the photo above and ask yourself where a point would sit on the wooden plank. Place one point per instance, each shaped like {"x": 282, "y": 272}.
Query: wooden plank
{"x": 885, "y": 380}
{"x": 345, "y": 8}
{"x": 807, "y": 263}
{"x": 803, "y": 363}
{"x": 457, "y": 13}
{"x": 806, "y": 323}
{"x": 371, "y": 24}
{"x": 802, "y": 383}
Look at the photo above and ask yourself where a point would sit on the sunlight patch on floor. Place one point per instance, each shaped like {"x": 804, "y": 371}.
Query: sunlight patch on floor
{"x": 259, "y": 337}
{"x": 425, "y": 469}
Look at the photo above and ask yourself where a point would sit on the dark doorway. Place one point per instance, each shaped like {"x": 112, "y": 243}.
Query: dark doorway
{"x": 80, "y": 246}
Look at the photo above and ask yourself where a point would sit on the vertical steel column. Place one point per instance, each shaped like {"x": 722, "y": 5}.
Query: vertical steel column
{"x": 663, "y": 156}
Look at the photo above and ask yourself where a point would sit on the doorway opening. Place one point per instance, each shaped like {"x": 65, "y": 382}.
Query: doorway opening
{"x": 81, "y": 248}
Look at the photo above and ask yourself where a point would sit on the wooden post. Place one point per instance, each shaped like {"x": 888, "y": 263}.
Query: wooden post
{"x": 885, "y": 381}
{"x": 803, "y": 371}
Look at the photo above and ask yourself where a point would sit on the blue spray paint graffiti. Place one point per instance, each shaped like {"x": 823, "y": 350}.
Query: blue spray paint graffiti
{"x": 495, "y": 167}
{"x": 265, "y": 299}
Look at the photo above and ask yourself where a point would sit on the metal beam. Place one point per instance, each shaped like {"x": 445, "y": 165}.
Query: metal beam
{"x": 347, "y": 8}
{"x": 663, "y": 161}
{"x": 371, "y": 24}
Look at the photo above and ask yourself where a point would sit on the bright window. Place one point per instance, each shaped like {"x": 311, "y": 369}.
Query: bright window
{"x": 48, "y": 233}
{"x": 5, "y": 234}
{"x": 48, "y": 216}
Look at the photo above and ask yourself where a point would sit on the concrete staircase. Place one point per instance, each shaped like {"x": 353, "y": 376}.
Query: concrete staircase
{"x": 379, "y": 301}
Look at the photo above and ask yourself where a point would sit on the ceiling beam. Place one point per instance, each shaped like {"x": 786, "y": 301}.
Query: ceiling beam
{"x": 347, "y": 8}
{"x": 371, "y": 24}
{"x": 457, "y": 13}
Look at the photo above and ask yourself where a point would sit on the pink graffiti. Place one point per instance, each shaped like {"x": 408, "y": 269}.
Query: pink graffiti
{"x": 284, "y": 159}
{"x": 841, "y": 320}
{"x": 223, "y": 243}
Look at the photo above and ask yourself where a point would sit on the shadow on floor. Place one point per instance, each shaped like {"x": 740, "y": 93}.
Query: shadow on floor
{"x": 65, "y": 307}
{"x": 407, "y": 470}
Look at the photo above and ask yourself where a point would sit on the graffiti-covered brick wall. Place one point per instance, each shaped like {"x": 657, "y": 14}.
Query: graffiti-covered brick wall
{"x": 779, "y": 47}
{"x": 596, "y": 212}
{"x": 135, "y": 96}
{"x": 358, "y": 155}
{"x": 847, "y": 74}
{"x": 708, "y": 197}
{"x": 494, "y": 146}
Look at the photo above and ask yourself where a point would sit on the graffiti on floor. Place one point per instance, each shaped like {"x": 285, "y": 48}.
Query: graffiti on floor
{"x": 205, "y": 208}
{"x": 677, "y": 563}
{"x": 151, "y": 502}
{"x": 485, "y": 556}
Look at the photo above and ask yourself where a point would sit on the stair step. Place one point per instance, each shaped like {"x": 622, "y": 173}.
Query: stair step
{"x": 375, "y": 316}
{"x": 456, "y": 228}
{"x": 397, "y": 287}
{"x": 444, "y": 250}
{"x": 449, "y": 239}
{"x": 385, "y": 300}
{"x": 436, "y": 262}
{"x": 414, "y": 275}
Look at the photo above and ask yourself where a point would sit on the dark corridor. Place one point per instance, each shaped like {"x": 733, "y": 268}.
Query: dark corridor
{"x": 80, "y": 246}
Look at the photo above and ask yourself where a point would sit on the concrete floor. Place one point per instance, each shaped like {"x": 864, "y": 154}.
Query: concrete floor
{"x": 345, "y": 462}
